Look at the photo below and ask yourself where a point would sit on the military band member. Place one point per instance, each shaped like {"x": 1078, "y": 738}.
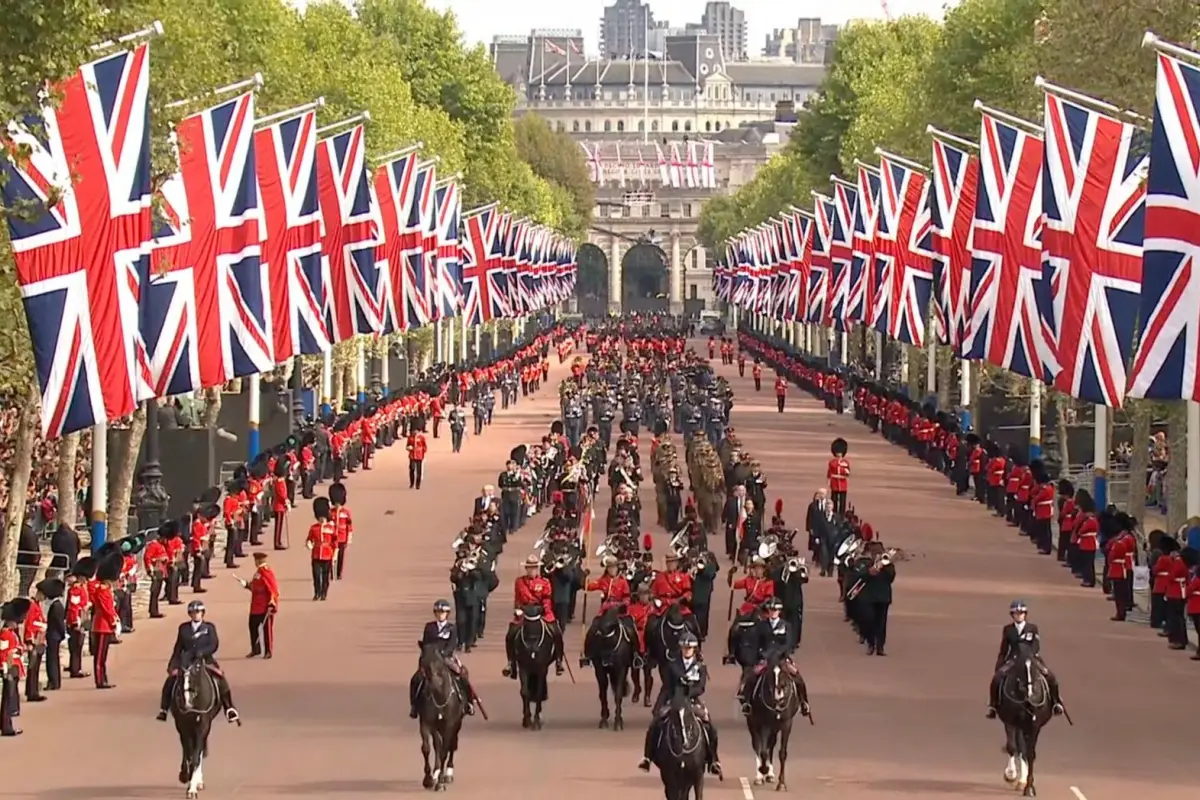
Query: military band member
{"x": 470, "y": 593}
{"x": 458, "y": 426}
{"x": 704, "y": 575}
{"x": 322, "y": 541}
{"x": 512, "y": 486}
{"x": 417, "y": 447}
{"x": 441, "y": 633}
{"x": 781, "y": 389}
{"x": 687, "y": 674}
{"x": 264, "y": 605}
{"x": 875, "y": 598}
{"x": 282, "y": 492}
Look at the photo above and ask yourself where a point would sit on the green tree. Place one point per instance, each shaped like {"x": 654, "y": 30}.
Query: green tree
{"x": 720, "y": 219}
{"x": 555, "y": 157}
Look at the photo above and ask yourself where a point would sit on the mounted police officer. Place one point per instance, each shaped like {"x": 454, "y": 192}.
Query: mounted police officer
{"x": 441, "y": 633}
{"x": 773, "y": 637}
{"x": 196, "y": 640}
{"x": 1020, "y": 632}
{"x": 688, "y": 674}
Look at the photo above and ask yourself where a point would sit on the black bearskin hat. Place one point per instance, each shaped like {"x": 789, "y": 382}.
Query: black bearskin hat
{"x": 556, "y": 427}
{"x": 1125, "y": 522}
{"x": 210, "y": 495}
{"x": 209, "y": 512}
{"x": 839, "y": 447}
{"x": 972, "y": 439}
{"x": 16, "y": 610}
{"x": 168, "y": 530}
{"x": 660, "y": 427}
{"x": 1167, "y": 544}
{"x": 109, "y": 549}
{"x": 109, "y": 567}
{"x": 258, "y": 469}
{"x": 1066, "y": 488}
{"x": 321, "y": 508}
{"x": 239, "y": 473}
{"x": 281, "y": 466}
{"x": 52, "y": 588}
{"x": 1190, "y": 556}
{"x": 85, "y": 568}
{"x": 519, "y": 453}
{"x": 1084, "y": 501}
{"x": 337, "y": 494}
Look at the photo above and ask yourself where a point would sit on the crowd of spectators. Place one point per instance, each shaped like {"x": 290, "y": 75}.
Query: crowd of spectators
{"x": 42, "y": 504}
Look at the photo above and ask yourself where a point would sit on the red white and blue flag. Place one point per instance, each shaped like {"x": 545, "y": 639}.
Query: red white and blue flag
{"x": 431, "y": 287}
{"x": 395, "y": 184}
{"x": 497, "y": 276}
{"x": 478, "y": 229}
{"x": 801, "y": 240}
{"x": 951, "y": 207}
{"x": 353, "y": 230}
{"x": 862, "y": 267}
{"x": 81, "y": 257}
{"x": 1004, "y": 323}
{"x": 903, "y": 253}
{"x": 286, "y": 153}
{"x": 818, "y": 280}
{"x": 1164, "y": 367}
{"x": 841, "y": 254}
{"x": 449, "y": 268}
{"x": 208, "y": 304}
{"x": 1094, "y": 206}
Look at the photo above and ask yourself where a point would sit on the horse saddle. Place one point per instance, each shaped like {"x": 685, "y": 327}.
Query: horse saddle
{"x": 211, "y": 667}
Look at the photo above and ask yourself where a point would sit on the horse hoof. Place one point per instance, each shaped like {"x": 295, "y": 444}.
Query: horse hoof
{"x": 770, "y": 778}
{"x": 1030, "y": 792}
{"x": 646, "y": 702}
{"x": 185, "y": 776}
{"x": 618, "y": 724}
{"x": 191, "y": 795}
{"x": 537, "y": 724}
{"x": 527, "y": 723}
{"x": 637, "y": 695}
{"x": 603, "y": 724}
{"x": 759, "y": 780}
{"x": 427, "y": 782}
{"x": 781, "y": 787}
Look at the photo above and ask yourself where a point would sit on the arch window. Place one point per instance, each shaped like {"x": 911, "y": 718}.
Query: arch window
{"x": 675, "y": 125}
{"x": 607, "y": 125}
{"x": 717, "y": 126}
{"x": 641, "y": 125}
{"x": 575, "y": 126}
{"x": 653, "y": 124}
{"x": 621, "y": 125}
{"x": 687, "y": 125}
{"x": 587, "y": 126}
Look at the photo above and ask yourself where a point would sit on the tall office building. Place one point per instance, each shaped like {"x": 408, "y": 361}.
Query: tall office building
{"x": 623, "y": 28}
{"x": 728, "y": 24}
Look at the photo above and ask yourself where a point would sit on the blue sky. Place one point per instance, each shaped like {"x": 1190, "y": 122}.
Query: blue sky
{"x": 483, "y": 19}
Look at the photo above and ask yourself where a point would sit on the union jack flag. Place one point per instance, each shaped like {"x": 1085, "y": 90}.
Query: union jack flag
{"x": 476, "y": 249}
{"x": 429, "y": 245}
{"x": 287, "y": 178}
{"x": 903, "y": 251}
{"x": 352, "y": 234}
{"x": 1094, "y": 205}
{"x": 841, "y": 254}
{"x": 951, "y": 208}
{"x": 208, "y": 305}
{"x": 1165, "y": 364}
{"x": 800, "y": 232}
{"x": 862, "y": 267}
{"x": 818, "y": 280}
{"x": 497, "y": 270}
{"x": 449, "y": 268}
{"x": 510, "y": 260}
{"x": 81, "y": 262}
{"x": 395, "y": 185}
{"x": 1004, "y": 326}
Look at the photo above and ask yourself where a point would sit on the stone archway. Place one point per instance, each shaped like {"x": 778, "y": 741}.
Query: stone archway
{"x": 645, "y": 278}
{"x": 591, "y": 283}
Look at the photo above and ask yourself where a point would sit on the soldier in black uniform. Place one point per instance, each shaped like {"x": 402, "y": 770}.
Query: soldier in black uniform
{"x": 689, "y": 674}
{"x": 441, "y": 632}
{"x": 196, "y": 640}
{"x": 467, "y": 584}
{"x": 631, "y": 415}
{"x": 1020, "y": 632}
{"x": 604, "y": 420}
{"x": 878, "y": 573}
{"x": 789, "y": 578}
{"x": 458, "y": 426}
{"x": 773, "y": 638}
{"x": 511, "y": 484}
{"x": 704, "y": 575}
{"x": 674, "y": 498}
{"x": 54, "y": 590}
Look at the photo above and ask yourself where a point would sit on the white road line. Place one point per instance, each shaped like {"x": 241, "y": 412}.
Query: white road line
{"x": 748, "y": 793}
{"x": 1078, "y": 794}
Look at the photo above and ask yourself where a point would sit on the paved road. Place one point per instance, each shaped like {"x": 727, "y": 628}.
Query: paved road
{"x": 328, "y": 717}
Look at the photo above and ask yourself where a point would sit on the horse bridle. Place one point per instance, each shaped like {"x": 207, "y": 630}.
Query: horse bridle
{"x": 786, "y": 697}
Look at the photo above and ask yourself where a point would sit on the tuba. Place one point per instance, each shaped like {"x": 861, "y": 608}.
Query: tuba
{"x": 848, "y": 550}
{"x": 768, "y": 547}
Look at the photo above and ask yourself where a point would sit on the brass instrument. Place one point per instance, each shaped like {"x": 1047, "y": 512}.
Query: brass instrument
{"x": 794, "y": 565}
{"x": 881, "y": 560}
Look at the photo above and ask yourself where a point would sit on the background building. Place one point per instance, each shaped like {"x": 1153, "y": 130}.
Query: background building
{"x": 807, "y": 43}
{"x": 633, "y": 117}
{"x": 728, "y": 24}
{"x": 624, "y": 27}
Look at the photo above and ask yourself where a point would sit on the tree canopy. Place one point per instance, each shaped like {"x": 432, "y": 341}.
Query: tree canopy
{"x": 888, "y": 80}
{"x": 556, "y": 158}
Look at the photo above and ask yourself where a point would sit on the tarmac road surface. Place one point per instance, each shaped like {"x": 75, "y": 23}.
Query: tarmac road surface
{"x": 328, "y": 717}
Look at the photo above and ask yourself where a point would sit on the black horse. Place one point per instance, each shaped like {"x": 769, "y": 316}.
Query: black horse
{"x": 442, "y": 706}
{"x": 662, "y": 637}
{"x": 775, "y": 696}
{"x": 1025, "y": 708}
{"x": 610, "y": 646}
{"x": 534, "y": 648}
{"x": 195, "y": 703}
{"x": 681, "y": 751}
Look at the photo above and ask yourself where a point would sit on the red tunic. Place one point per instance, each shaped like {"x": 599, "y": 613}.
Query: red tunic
{"x": 322, "y": 538}
{"x": 416, "y": 447}
{"x": 668, "y": 587}
{"x": 614, "y": 590}
{"x": 838, "y": 473}
{"x": 264, "y": 590}
{"x": 104, "y": 610}
{"x": 534, "y": 591}
{"x": 758, "y": 591}
{"x": 343, "y": 523}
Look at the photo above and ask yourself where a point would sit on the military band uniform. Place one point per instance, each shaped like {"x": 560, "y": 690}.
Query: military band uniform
{"x": 873, "y": 603}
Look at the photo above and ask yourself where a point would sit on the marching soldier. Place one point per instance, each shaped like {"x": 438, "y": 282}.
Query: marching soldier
{"x": 416, "y": 447}
{"x": 877, "y": 574}
{"x": 470, "y": 594}
{"x": 343, "y": 523}
{"x": 838, "y": 474}
{"x": 322, "y": 541}
{"x": 781, "y": 389}
{"x": 281, "y": 493}
{"x": 458, "y": 426}
{"x": 756, "y": 373}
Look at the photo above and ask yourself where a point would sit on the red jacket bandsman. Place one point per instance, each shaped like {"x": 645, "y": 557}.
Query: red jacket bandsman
{"x": 10, "y": 651}
{"x": 199, "y": 535}
{"x": 780, "y": 387}
{"x": 995, "y": 471}
{"x": 1177, "y": 578}
{"x": 838, "y": 474}
{"x": 1193, "y": 597}
{"x": 34, "y": 629}
{"x": 279, "y": 496}
{"x": 1087, "y": 532}
{"x": 758, "y": 591}
{"x": 79, "y": 602}
{"x": 155, "y": 558}
{"x": 343, "y": 523}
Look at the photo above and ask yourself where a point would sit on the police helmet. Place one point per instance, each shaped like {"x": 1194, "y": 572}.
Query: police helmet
{"x": 688, "y": 640}
{"x": 441, "y": 606}
{"x": 773, "y": 604}
{"x": 1017, "y": 607}
{"x": 196, "y": 606}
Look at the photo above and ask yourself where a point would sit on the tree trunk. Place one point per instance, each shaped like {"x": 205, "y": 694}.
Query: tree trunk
{"x": 1139, "y": 412}
{"x": 68, "y": 454}
{"x": 18, "y": 488}
{"x": 1062, "y": 405}
{"x": 1176, "y": 467}
{"x": 945, "y": 374}
{"x": 338, "y": 390}
{"x": 976, "y": 375}
{"x": 212, "y": 407}
{"x": 121, "y": 480}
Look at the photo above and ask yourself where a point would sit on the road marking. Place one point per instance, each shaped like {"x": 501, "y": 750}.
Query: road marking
{"x": 748, "y": 793}
{"x": 1078, "y": 794}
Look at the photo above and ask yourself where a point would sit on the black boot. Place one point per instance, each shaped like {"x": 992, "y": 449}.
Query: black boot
{"x": 231, "y": 712}
{"x": 714, "y": 761}
{"x": 168, "y": 689}
{"x": 993, "y": 698}
{"x": 648, "y": 749}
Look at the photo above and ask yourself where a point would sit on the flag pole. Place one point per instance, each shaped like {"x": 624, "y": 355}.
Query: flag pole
{"x": 1089, "y": 102}
{"x": 1151, "y": 39}
{"x": 271, "y": 119}
{"x": 951, "y": 138}
{"x": 363, "y": 117}
{"x": 1029, "y": 127}
{"x": 401, "y": 153}
{"x": 149, "y": 32}
{"x": 252, "y": 83}
{"x": 902, "y": 161}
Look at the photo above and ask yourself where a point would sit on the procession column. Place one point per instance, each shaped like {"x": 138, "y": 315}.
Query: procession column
{"x": 614, "y": 275}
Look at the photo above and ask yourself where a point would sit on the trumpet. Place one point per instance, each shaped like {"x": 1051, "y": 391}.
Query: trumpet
{"x": 795, "y": 564}
{"x": 885, "y": 559}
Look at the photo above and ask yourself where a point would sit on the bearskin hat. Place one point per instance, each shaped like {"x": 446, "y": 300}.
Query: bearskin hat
{"x": 258, "y": 470}
{"x": 660, "y": 427}
{"x": 16, "y": 610}
{"x": 518, "y": 453}
{"x": 239, "y": 473}
{"x": 169, "y": 529}
{"x": 647, "y": 542}
{"x": 1165, "y": 544}
{"x": 52, "y": 588}
{"x": 108, "y": 549}
{"x": 1084, "y": 501}
{"x": 321, "y": 507}
{"x": 209, "y": 512}
{"x": 210, "y": 495}
{"x": 337, "y": 493}
{"x": 281, "y": 466}
{"x": 1125, "y": 522}
{"x": 1066, "y": 488}
{"x": 556, "y": 427}
{"x": 839, "y": 447}
{"x": 108, "y": 568}
{"x": 972, "y": 439}
{"x": 85, "y": 568}
{"x": 1190, "y": 556}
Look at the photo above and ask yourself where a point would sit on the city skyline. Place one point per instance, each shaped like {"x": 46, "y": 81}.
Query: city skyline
{"x": 480, "y": 20}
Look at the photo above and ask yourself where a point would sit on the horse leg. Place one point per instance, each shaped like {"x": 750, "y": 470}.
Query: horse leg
{"x": 452, "y": 748}
{"x": 537, "y": 715}
{"x": 637, "y": 685}
{"x": 1012, "y": 770}
{"x": 602, "y": 683}
{"x": 1031, "y": 740}
{"x": 648, "y": 682}
{"x": 441, "y": 756}
{"x": 758, "y": 745}
{"x": 427, "y": 780}
{"x": 185, "y": 762}
{"x": 769, "y": 758}
{"x": 620, "y": 686}
{"x": 195, "y": 759}
{"x": 784, "y": 736}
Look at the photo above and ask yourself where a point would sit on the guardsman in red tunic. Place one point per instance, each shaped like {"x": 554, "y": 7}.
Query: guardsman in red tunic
{"x": 756, "y": 373}
{"x": 343, "y": 522}
{"x": 155, "y": 559}
{"x": 976, "y": 462}
{"x": 416, "y": 447}
{"x": 712, "y": 348}
{"x": 280, "y": 501}
{"x": 1177, "y": 583}
{"x": 756, "y": 585}
{"x": 532, "y": 591}
{"x": 1192, "y": 604}
{"x": 264, "y": 604}
{"x": 613, "y": 588}
{"x": 838, "y": 474}
{"x": 1087, "y": 536}
{"x": 33, "y": 634}
{"x": 1160, "y": 575}
{"x": 322, "y": 541}
{"x": 781, "y": 387}
{"x": 104, "y": 616}
{"x": 79, "y": 605}
{"x": 1121, "y": 549}
{"x": 671, "y": 586}
{"x": 996, "y": 467}
{"x": 1042, "y": 503}
{"x": 12, "y": 668}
